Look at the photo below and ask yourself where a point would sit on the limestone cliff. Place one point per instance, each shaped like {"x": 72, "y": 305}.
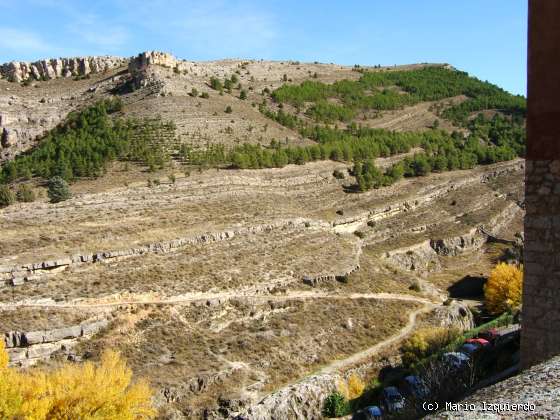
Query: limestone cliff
{"x": 18, "y": 71}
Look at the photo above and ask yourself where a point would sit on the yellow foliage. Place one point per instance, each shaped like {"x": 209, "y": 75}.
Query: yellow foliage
{"x": 352, "y": 388}
{"x": 3, "y": 356}
{"x": 427, "y": 341}
{"x": 355, "y": 386}
{"x": 85, "y": 391}
{"x": 503, "y": 290}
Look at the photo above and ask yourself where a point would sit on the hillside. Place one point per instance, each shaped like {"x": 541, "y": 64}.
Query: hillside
{"x": 246, "y": 232}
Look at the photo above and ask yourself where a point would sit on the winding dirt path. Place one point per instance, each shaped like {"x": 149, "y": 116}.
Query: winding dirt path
{"x": 337, "y": 365}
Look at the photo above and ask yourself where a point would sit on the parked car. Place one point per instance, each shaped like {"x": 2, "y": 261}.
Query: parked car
{"x": 456, "y": 360}
{"x": 469, "y": 348}
{"x": 489, "y": 335}
{"x": 373, "y": 412}
{"x": 480, "y": 341}
{"x": 414, "y": 386}
{"x": 392, "y": 399}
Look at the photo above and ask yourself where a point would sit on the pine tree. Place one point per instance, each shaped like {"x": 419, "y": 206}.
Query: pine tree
{"x": 58, "y": 190}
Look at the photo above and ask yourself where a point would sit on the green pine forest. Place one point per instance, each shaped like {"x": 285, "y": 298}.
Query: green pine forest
{"x": 89, "y": 140}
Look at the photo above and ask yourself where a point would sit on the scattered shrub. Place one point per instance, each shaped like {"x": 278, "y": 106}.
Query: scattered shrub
{"x": 228, "y": 110}
{"x": 335, "y": 405}
{"x": 58, "y": 190}
{"x": 7, "y": 197}
{"x": 415, "y": 287}
{"x": 338, "y": 174}
{"x": 25, "y": 194}
{"x": 216, "y": 84}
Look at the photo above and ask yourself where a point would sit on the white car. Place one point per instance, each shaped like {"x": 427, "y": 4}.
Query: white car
{"x": 392, "y": 399}
{"x": 456, "y": 360}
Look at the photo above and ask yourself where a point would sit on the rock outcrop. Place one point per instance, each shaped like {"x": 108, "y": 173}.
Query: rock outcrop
{"x": 454, "y": 315}
{"x": 421, "y": 258}
{"x": 303, "y": 400}
{"x": 470, "y": 241}
{"x": 27, "y": 348}
{"x": 19, "y": 71}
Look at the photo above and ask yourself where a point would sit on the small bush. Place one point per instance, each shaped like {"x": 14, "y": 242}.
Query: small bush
{"x": 194, "y": 92}
{"x": 360, "y": 234}
{"x": 243, "y": 94}
{"x": 425, "y": 342}
{"x": 172, "y": 178}
{"x": 338, "y": 174}
{"x": 415, "y": 286}
{"x": 335, "y": 406}
{"x": 204, "y": 95}
{"x": 25, "y": 194}
{"x": 58, "y": 190}
{"x": 355, "y": 387}
{"x": 7, "y": 197}
{"x": 228, "y": 110}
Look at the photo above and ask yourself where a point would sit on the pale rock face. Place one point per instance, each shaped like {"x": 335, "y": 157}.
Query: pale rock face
{"x": 16, "y": 71}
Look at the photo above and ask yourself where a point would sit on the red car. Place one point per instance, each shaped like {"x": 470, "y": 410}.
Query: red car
{"x": 489, "y": 335}
{"x": 479, "y": 341}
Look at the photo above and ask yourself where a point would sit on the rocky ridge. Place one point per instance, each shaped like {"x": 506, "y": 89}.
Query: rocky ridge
{"x": 19, "y": 71}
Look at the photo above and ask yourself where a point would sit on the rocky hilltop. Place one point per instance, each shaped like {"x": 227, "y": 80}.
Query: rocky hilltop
{"x": 19, "y": 71}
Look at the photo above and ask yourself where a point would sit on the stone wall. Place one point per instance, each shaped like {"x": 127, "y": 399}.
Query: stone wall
{"x": 27, "y": 348}
{"x": 541, "y": 293}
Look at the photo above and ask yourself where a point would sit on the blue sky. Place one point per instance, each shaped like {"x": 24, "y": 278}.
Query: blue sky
{"x": 487, "y": 38}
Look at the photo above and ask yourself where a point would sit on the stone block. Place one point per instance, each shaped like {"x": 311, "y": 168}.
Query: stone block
{"x": 32, "y": 337}
{"x": 42, "y": 350}
{"x": 17, "y": 354}
{"x": 62, "y": 333}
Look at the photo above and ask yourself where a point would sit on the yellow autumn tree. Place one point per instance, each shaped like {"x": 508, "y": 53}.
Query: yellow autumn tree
{"x": 86, "y": 391}
{"x": 352, "y": 388}
{"x": 503, "y": 290}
